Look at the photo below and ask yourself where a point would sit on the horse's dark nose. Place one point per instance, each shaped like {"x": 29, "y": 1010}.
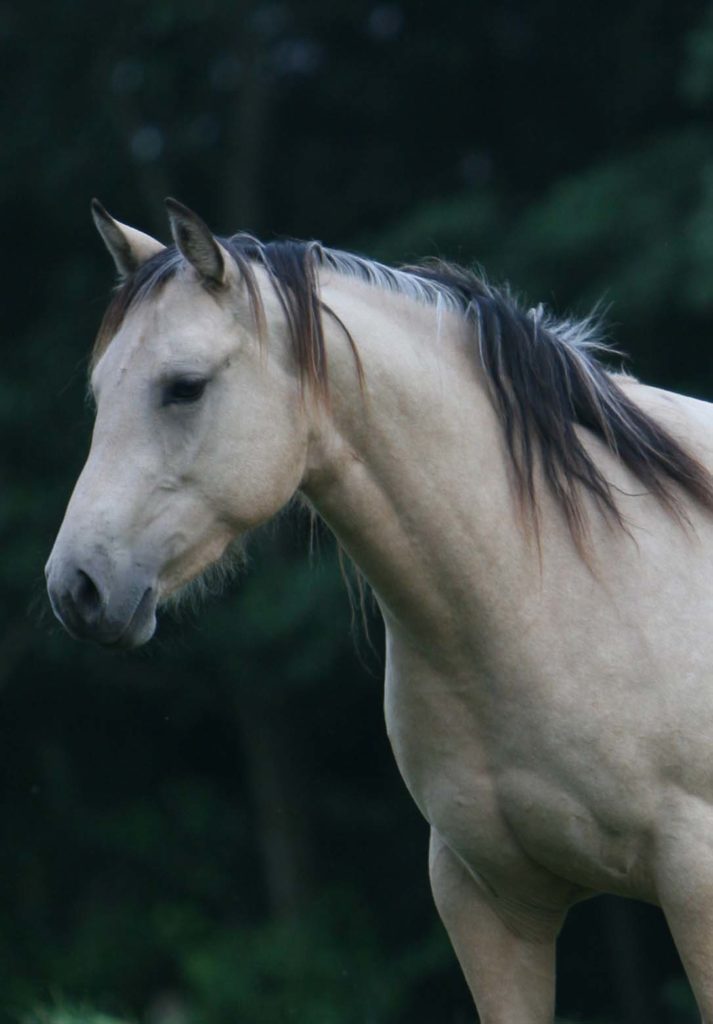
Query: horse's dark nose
{"x": 87, "y": 599}
{"x": 77, "y": 601}
{"x": 115, "y": 609}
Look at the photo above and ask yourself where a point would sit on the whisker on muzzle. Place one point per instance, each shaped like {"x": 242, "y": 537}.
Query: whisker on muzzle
{"x": 211, "y": 582}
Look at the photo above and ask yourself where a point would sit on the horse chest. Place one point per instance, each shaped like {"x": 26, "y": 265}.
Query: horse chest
{"x": 442, "y": 755}
{"x": 515, "y": 810}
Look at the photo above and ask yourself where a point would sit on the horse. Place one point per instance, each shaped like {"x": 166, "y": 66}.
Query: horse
{"x": 537, "y": 530}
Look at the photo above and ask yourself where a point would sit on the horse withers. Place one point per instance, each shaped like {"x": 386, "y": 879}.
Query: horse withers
{"x": 537, "y": 530}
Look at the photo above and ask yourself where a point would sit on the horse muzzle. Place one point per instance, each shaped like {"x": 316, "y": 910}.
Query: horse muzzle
{"x": 95, "y": 602}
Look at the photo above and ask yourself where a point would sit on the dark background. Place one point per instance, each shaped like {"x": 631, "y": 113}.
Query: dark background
{"x": 212, "y": 829}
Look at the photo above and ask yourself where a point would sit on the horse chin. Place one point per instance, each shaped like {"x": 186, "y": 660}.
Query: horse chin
{"x": 195, "y": 584}
{"x": 138, "y": 633}
{"x": 140, "y": 629}
{"x": 143, "y": 622}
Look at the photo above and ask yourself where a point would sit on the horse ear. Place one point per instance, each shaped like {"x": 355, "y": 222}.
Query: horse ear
{"x": 128, "y": 247}
{"x": 195, "y": 241}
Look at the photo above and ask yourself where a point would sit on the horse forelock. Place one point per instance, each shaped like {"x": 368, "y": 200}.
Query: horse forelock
{"x": 543, "y": 373}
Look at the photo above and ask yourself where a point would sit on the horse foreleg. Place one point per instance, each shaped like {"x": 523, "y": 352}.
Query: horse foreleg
{"x": 685, "y": 888}
{"x": 510, "y": 970}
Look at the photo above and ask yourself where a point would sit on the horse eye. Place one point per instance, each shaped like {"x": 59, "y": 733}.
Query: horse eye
{"x": 184, "y": 390}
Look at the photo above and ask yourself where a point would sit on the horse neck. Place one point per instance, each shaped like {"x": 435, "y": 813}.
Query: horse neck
{"x": 408, "y": 471}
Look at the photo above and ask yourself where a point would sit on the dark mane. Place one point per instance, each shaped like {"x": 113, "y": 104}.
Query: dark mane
{"x": 543, "y": 373}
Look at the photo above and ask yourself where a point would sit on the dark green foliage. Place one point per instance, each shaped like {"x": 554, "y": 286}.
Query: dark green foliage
{"x": 212, "y": 830}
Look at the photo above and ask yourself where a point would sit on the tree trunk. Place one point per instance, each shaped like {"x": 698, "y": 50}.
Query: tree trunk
{"x": 280, "y": 794}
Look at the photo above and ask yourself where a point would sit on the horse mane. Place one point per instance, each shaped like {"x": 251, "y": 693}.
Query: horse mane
{"x": 543, "y": 373}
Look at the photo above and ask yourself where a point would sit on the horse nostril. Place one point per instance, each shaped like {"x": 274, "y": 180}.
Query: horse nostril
{"x": 87, "y": 598}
